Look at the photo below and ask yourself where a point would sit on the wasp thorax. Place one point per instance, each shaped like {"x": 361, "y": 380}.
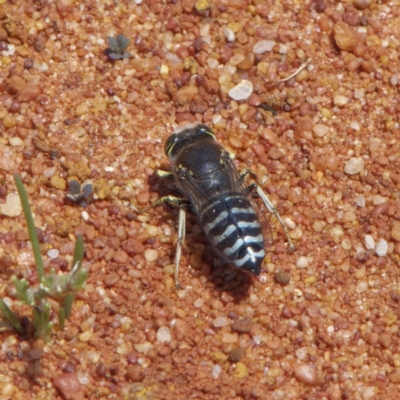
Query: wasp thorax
{"x": 185, "y": 136}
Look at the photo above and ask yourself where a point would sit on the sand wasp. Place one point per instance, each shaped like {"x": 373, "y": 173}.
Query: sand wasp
{"x": 214, "y": 190}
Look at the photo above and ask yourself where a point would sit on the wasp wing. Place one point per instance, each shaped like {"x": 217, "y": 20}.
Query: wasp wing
{"x": 210, "y": 205}
{"x": 238, "y": 183}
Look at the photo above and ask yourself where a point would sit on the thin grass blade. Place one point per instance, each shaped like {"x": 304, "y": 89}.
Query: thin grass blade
{"x": 31, "y": 226}
{"x": 61, "y": 319}
{"x": 12, "y": 318}
{"x": 67, "y": 306}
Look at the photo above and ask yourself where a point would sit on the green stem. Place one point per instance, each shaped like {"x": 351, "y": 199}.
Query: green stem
{"x": 31, "y": 226}
{"x": 12, "y": 318}
{"x": 61, "y": 319}
{"x": 78, "y": 251}
{"x": 67, "y": 305}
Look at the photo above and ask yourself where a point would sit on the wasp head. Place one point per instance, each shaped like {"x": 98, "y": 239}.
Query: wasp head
{"x": 185, "y": 136}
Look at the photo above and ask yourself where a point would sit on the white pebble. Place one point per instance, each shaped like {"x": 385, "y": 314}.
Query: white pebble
{"x": 340, "y": 100}
{"x": 198, "y": 302}
{"x": 289, "y": 223}
{"x": 257, "y": 339}
{"x": 369, "y": 242}
{"x": 220, "y": 321}
{"x": 213, "y": 63}
{"x": 394, "y": 80}
{"x": 163, "y": 334}
{"x": 354, "y": 166}
{"x": 320, "y": 130}
{"x": 354, "y": 125}
{"x": 229, "y": 35}
{"x": 12, "y": 207}
{"x": 361, "y": 287}
{"x": 242, "y": 90}
{"x": 360, "y": 200}
{"x": 16, "y": 141}
{"x": 337, "y": 231}
{"x": 204, "y": 30}
{"x": 49, "y": 172}
{"x": 302, "y": 262}
{"x": 359, "y": 93}
{"x": 150, "y": 255}
{"x": 216, "y": 118}
{"x": 216, "y": 370}
{"x": 378, "y": 199}
{"x": 301, "y": 353}
{"x": 381, "y": 248}
{"x": 263, "y": 45}
{"x": 53, "y": 253}
{"x": 85, "y": 215}
{"x": 143, "y": 347}
{"x": 109, "y": 169}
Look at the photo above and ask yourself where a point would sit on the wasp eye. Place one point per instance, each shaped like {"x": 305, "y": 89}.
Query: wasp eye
{"x": 169, "y": 144}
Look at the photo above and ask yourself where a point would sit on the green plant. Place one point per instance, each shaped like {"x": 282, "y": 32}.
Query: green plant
{"x": 61, "y": 287}
{"x": 117, "y": 46}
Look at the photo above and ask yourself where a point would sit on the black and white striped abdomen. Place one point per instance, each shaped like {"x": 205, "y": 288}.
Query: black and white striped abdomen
{"x": 233, "y": 228}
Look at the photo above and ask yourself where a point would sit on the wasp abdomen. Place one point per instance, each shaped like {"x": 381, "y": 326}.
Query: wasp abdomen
{"x": 232, "y": 226}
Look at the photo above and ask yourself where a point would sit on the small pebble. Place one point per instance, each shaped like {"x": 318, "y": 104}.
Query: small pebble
{"x": 369, "y": 392}
{"x": 28, "y": 93}
{"x": 320, "y": 130}
{"x": 16, "y": 141}
{"x": 242, "y": 90}
{"x": 361, "y": 287}
{"x": 85, "y": 215}
{"x": 68, "y": 384}
{"x": 57, "y": 182}
{"x": 12, "y": 206}
{"x": 143, "y": 347}
{"x": 229, "y": 35}
{"x": 306, "y": 373}
{"x": 220, "y": 321}
{"x": 395, "y": 232}
{"x": 346, "y": 37}
{"x": 302, "y": 262}
{"x": 369, "y": 242}
{"x": 360, "y": 200}
{"x": 85, "y": 336}
{"x": 282, "y": 277}
{"x": 340, "y": 100}
{"x": 263, "y": 46}
{"x": 381, "y": 248}
{"x": 242, "y": 325}
{"x": 237, "y": 354}
{"x": 354, "y": 166}
{"x": 163, "y": 334}
{"x": 394, "y": 80}
{"x": 198, "y": 302}
{"x": 378, "y": 199}
{"x": 8, "y": 389}
{"x": 216, "y": 370}
{"x": 241, "y": 371}
{"x": 53, "y": 253}
{"x": 150, "y": 255}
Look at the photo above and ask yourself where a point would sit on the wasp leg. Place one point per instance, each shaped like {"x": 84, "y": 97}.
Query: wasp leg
{"x": 274, "y": 211}
{"x": 268, "y": 204}
{"x": 174, "y": 201}
{"x": 182, "y": 204}
{"x": 165, "y": 174}
{"x": 181, "y": 239}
